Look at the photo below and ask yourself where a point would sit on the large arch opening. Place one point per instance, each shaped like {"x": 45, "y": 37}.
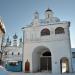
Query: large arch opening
{"x": 45, "y": 61}
{"x": 64, "y": 65}
{"x": 41, "y": 59}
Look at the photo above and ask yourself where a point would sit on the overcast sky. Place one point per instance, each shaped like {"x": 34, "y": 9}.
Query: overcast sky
{"x": 18, "y": 13}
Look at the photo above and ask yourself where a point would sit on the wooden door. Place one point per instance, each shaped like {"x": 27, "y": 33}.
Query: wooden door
{"x": 27, "y": 66}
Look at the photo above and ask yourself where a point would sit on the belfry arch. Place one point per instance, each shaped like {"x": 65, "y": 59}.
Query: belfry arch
{"x": 45, "y": 32}
{"x": 59, "y": 30}
{"x": 41, "y": 59}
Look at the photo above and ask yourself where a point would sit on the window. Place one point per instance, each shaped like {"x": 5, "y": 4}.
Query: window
{"x": 45, "y": 32}
{"x": 12, "y": 53}
{"x": 18, "y": 53}
{"x": 13, "y": 63}
{"x": 73, "y": 54}
{"x": 59, "y": 30}
{"x": 5, "y": 53}
{"x": 48, "y": 15}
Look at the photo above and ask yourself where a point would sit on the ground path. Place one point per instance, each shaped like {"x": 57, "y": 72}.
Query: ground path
{"x": 21, "y": 73}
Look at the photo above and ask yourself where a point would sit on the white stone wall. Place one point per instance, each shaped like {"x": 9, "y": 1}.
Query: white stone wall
{"x": 31, "y": 32}
{"x": 58, "y": 44}
{"x": 15, "y": 56}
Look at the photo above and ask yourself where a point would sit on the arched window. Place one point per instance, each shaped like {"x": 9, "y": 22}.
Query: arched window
{"x": 59, "y": 30}
{"x": 45, "y": 32}
{"x": 12, "y": 53}
{"x": 18, "y": 53}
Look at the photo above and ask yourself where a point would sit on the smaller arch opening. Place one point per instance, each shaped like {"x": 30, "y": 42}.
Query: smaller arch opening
{"x": 64, "y": 65}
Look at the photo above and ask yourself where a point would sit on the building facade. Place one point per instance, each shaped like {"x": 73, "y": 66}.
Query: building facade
{"x": 47, "y": 45}
{"x": 2, "y": 35}
{"x": 12, "y": 56}
{"x": 73, "y": 59}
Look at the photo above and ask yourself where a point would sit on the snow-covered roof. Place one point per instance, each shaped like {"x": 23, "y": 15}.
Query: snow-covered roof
{"x": 52, "y": 20}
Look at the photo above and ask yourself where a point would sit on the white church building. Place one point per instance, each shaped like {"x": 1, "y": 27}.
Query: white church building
{"x": 47, "y": 46}
{"x": 12, "y": 55}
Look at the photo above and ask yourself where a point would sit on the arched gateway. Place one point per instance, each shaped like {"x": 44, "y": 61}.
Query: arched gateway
{"x": 41, "y": 59}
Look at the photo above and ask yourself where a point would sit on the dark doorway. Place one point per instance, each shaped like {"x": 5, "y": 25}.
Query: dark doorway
{"x": 45, "y": 62}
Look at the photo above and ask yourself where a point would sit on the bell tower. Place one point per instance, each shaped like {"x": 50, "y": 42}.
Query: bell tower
{"x": 36, "y": 19}
{"x": 48, "y": 13}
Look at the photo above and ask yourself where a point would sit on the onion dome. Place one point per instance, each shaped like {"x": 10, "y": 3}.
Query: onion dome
{"x": 36, "y": 15}
{"x": 15, "y": 36}
{"x": 48, "y": 10}
{"x": 48, "y": 14}
{"x": 36, "y": 12}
